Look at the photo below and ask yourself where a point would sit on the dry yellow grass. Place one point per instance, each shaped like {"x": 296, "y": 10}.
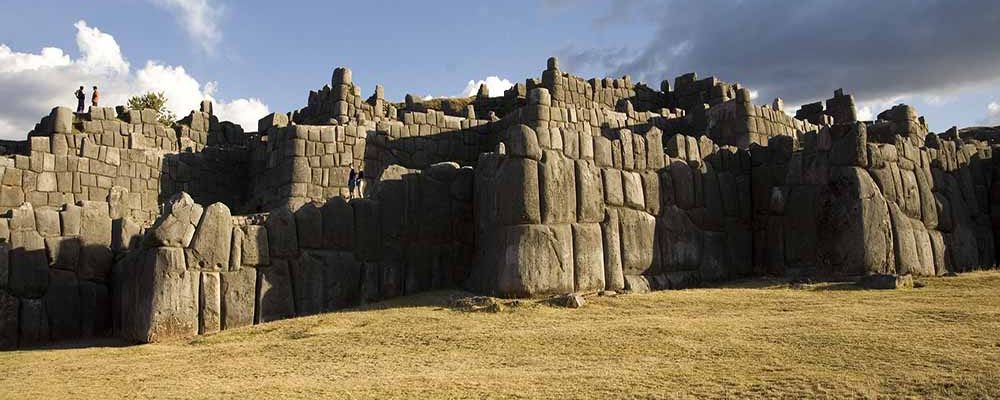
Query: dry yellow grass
{"x": 744, "y": 341}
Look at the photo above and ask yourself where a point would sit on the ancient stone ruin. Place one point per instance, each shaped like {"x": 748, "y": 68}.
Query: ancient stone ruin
{"x": 114, "y": 224}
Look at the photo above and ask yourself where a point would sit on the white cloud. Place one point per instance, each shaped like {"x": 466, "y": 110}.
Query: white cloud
{"x": 31, "y": 84}
{"x": 865, "y": 114}
{"x": 199, "y": 18}
{"x": 495, "y": 84}
{"x": 992, "y": 114}
{"x": 754, "y": 94}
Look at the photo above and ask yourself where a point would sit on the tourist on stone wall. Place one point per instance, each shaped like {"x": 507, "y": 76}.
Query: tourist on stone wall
{"x": 361, "y": 183}
{"x": 94, "y": 98}
{"x": 352, "y": 181}
{"x": 79, "y": 99}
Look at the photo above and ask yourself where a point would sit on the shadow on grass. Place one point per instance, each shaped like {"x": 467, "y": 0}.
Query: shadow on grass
{"x": 101, "y": 342}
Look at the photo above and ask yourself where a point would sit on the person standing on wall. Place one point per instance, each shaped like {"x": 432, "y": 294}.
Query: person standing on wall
{"x": 94, "y": 98}
{"x": 79, "y": 99}
{"x": 361, "y": 183}
{"x": 352, "y": 180}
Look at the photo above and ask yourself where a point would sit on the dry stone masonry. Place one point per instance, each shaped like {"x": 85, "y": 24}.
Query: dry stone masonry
{"x": 112, "y": 223}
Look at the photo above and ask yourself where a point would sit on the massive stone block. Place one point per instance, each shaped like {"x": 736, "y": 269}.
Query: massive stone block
{"x": 522, "y": 141}
{"x": 161, "y": 298}
{"x": 854, "y": 231}
{"x": 254, "y": 249}
{"x": 614, "y": 278}
{"x": 176, "y": 228}
{"x": 632, "y": 188}
{"x": 309, "y": 225}
{"x": 282, "y": 236}
{"x": 681, "y": 241}
{"x": 238, "y": 289}
{"x": 925, "y": 251}
{"x": 275, "y": 299}
{"x": 210, "y": 246}
{"x": 517, "y": 192}
{"x": 589, "y": 192}
{"x": 95, "y": 309}
{"x": 638, "y": 231}
{"x": 557, "y": 188}
{"x": 338, "y": 224}
{"x": 33, "y": 323}
{"x": 537, "y": 260}
{"x": 210, "y": 303}
{"x": 29, "y": 273}
{"x": 681, "y": 176}
{"x": 613, "y": 193}
{"x": 367, "y": 238}
{"x": 9, "y": 315}
{"x": 62, "y": 303}
{"x": 588, "y": 257}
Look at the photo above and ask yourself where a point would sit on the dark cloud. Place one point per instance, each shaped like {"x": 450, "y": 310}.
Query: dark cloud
{"x": 801, "y": 51}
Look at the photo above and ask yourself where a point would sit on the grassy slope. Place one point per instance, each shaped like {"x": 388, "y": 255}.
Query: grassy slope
{"x": 749, "y": 340}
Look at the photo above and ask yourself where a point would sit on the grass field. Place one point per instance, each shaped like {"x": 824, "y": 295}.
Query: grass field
{"x": 747, "y": 340}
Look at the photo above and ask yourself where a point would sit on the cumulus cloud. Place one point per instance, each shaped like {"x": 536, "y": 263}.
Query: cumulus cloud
{"x": 802, "y": 51}
{"x": 992, "y": 114}
{"x": 495, "y": 84}
{"x": 32, "y": 83}
{"x": 199, "y": 18}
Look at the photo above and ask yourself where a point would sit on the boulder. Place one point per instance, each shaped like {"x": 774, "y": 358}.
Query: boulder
{"x": 161, "y": 297}
{"x": 517, "y": 192}
{"x": 714, "y": 261}
{"x": 557, "y": 188}
{"x": 942, "y": 259}
{"x": 238, "y": 289}
{"x": 338, "y": 224}
{"x": 651, "y": 192}
{"x": 309, "y": 225}
{"x": 638, "y": 284}
{"x": 62, "y": 305}
{"x": 95, "y": 309}
{"x": 849, "y": 145}
{"x": 632, "y": 189}
{"x": 47, "y": 222}
{"x": 537, "y": 260}
{"x": 275, "y": 299}
{"x": 681, "y": 239}
{"x": 210, "y": 303}
{"x": 342, "y": 279}
{"x": 589, "y": 192}
{"x": 521, "y": 141}
{"x": 176, "y": 228}
{"x": 925, "y": 250}
{"x": 681, "y": 176}
{"x": 210, "y": 246}
{"x": 854, "y": 233}
{"x": 904, "y": 245}
{"x": 638, "y": 230}
{"x": 70, "y": 219}
{"x": 63, "y": 252}
{"x": 307, "y": 284}
{"x": 9, "y": 314}
{"x": 800, "y": 226}
{"x": 613, "y": 191}
{"x": 254, "y": 249}
{"x": 33, "y": 323}
{"x": 282, "y": 236}
{"x": 95, "y": 241}
{"x": 588, "y": 258}
{"x": 29, "y": 273}
{"x": 611, "y": 240}
{"x": 367, "y": 238}
{"x": 886, "y": 281}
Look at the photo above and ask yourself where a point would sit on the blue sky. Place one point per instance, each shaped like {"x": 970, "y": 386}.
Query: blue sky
{"x": 256, "y": 56}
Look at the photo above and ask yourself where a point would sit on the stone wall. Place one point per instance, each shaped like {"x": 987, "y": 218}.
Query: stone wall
{"x": 201, "y": 270}
{"x": 563, "y": 185}
{"x": 56, "y": 271}
{"x": 843, "y": 203}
